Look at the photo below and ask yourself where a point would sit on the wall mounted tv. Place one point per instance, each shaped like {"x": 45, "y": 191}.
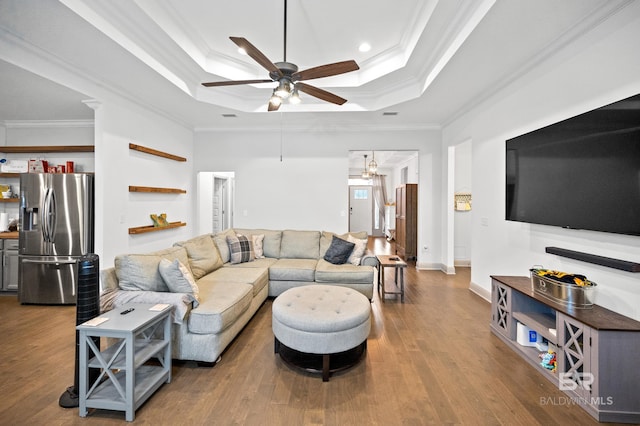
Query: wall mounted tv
{"x": 580, "y": 173}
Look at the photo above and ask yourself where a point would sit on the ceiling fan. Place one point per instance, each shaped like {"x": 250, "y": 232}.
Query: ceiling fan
{"x": 287, "y": 76}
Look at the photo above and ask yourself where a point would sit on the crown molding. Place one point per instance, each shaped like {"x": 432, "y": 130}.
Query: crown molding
{"x": 24, "y": 54}
{"x": 33, "y": 124}
{"x": 327, "y": 128}
{"x": 586, "y": 25}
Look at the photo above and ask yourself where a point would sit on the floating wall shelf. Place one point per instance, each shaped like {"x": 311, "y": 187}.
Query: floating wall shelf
{"x": 9, "y": 175}
{"x": 133, "y": 188}
{"x": 151, "y": 228}
{"x": 46, "y": 149}
{"x": 152, "y": 151}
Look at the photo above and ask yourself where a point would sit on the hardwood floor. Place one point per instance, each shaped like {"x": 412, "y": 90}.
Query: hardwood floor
{"x": 430, "y": 360}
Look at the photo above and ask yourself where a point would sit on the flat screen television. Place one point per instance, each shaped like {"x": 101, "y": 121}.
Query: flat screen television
{"x": 580, "y": 173}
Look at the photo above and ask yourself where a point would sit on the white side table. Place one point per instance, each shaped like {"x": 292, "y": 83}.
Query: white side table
{"x": 142, "y": 334}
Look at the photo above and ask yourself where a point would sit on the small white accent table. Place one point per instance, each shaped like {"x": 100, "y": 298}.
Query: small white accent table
{"x": 141, "y": 334}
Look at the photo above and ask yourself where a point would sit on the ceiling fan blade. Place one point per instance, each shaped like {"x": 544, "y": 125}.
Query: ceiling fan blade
{"x": 257, "y": 55}
{"x": 320, "y": 94}
{"x": 234, "y": 82}
{"x": 325, "y": 70}
{"x": 273, "y": 107}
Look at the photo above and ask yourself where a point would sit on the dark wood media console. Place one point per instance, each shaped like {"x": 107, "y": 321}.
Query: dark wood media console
{"x": 596, "y": 349}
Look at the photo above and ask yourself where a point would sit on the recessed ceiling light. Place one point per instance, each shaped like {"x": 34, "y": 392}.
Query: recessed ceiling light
{"x": 364, "y": 47}
{"x": 242, "y": 51}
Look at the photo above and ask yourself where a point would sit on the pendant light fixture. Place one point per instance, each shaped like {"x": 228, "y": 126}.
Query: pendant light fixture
{"x": 365, "y": 172}
{"x": 373, "y": 166}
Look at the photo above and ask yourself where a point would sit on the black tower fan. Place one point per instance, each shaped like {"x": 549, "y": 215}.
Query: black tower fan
{"x": 87, "y": 307}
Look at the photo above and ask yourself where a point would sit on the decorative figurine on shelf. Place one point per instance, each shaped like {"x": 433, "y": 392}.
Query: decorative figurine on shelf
{"x": 159, "y": 220}
{"x": 549, "y": 360}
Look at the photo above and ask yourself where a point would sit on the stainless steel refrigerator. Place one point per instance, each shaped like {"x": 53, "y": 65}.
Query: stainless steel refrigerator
{"x": 56, "y": 229}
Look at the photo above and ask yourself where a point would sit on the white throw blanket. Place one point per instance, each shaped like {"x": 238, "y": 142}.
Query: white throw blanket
{"x": 181, "y": 302}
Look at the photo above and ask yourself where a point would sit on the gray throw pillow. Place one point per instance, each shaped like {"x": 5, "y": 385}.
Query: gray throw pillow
{"x": 339, "y": 251}
{"x": 178, "y": 278}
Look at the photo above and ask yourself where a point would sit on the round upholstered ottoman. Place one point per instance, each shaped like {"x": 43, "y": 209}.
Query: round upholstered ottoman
{"x": 321, "y": 328}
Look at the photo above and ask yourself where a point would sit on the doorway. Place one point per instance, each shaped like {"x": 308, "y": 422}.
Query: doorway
{"x": 396, "y": 167}
{"x": 215, "y": 201}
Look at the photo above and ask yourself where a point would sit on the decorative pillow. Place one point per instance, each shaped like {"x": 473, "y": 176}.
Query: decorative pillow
{"x": 257, "y": 245}
{"x": 358, "y": 250}
{"x": 241, "y": 248}
{"x": 178, "y": 278}
{"x": 338, "y": 251}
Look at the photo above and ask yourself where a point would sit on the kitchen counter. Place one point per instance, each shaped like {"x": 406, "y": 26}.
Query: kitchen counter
{"x": 9, "y": 235}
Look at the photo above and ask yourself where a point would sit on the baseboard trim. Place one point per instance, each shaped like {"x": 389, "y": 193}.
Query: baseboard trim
{"x": 463, "y": 263}
{"x": 425, "y": 266}
{"x": 480, "y": 291}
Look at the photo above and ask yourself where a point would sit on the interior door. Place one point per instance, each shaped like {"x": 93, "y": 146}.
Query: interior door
{"x": 219, "y": 201}
{"x": 215, "y": 200}
{"x": 361, "y": 209}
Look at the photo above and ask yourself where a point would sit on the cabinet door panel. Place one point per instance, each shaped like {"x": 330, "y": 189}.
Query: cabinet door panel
{"x": 574, "y": 359}
{"x": 501, "y": 317}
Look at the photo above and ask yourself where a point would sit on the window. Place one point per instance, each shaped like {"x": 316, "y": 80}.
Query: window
{"x": 360, "y": 194}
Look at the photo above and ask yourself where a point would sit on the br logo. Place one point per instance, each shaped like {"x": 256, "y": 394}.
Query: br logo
{"x": 575, "y": 380}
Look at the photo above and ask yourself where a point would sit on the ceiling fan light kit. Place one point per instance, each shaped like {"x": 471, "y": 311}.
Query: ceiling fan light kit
{"x": 287, "y": 76}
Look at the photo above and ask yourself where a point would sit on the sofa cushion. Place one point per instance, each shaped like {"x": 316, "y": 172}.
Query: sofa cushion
{"x": 271, "y": 242}
{"x": 203, "y": 255}
{"x": 300, "y": 245}
{"x": 140, "y": 271}
{"x": 177, "y": 277}
{"x": 326, "y": 238}
{"x": 293, "y": 270}
{"x": 241, "y": 248}
{"x": 348, "y": 274}
{"x": 264, "y": 263}
{"x": 339, "y": 251}
{"x": 258, "y": 278}
{"x": 221, "y": 304}
{"x": 220, "y": 240}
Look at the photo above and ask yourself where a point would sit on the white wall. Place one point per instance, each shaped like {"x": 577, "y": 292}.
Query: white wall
{"x": 599, "y": 68}
{"x": 308, "y": 189}
{"x": 117, "y": 167}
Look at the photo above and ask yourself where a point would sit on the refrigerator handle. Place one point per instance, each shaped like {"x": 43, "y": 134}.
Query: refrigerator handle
{"x": 49, "y": 216}
{"x": 45, "y": 216}
{"x": 52, "y": 216}
{"x": 50, "y": 262}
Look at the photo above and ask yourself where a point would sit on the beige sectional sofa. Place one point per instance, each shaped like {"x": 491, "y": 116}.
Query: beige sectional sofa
{"x": 228, "y": 292}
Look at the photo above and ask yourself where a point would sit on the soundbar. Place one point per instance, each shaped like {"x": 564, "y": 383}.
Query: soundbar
{"x": 610, "y": 262}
